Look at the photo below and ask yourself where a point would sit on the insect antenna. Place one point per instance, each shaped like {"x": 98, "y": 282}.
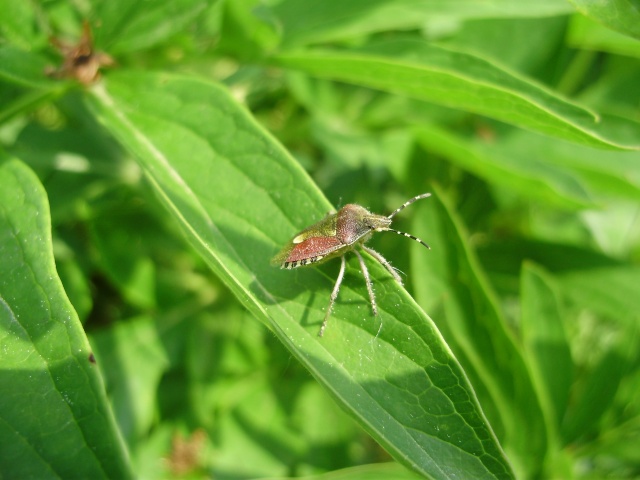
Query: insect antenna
{"x": 406, "y": 204}
{"x": 408, "y": 235}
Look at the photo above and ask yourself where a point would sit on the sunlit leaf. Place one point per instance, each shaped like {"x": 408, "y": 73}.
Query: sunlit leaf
{"x": 55, "y": 418}
{"x": 239, "y": 197}
{"x": 419, "y": 70}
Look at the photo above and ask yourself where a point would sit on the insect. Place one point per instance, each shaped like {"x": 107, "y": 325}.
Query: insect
{"x": 338, "y": 233}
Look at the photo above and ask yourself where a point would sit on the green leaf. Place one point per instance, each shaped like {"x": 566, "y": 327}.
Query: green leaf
{"x": 24, "y": 68}
{"x": 540, "y": 169}
{"x": 239, "y": 197}
{"x": 591, "y": 280}
{"x": 505, "y": 256}
{"x": 620, "y": 15}
{"x": 600, "y": 174}
{"x": 76, "y": 285}
{"x": 459, "y": 80}
{"x": 376, "y": 471}
{"x": 18, "y": 24}
{"x": 527, "y": 174}
{"x": 21, "y": 103}
{"x": 615, "y": 91}
{"x": 247, "y": 31}
{"x": 132, "y": 360}
{"x": 611, "y": 291}
{"x": 55, "y": 419}
{"x": 545, "y": 342}
{"x": 123, "y": 260}
{"x": 508, "y": 41}
{"x": 595, "y": 393}
{"x": 586, "y": 33}
{"x": 331, "y": 20}
{"x": 466, "y": 311}
{"x": 129, "y": 26}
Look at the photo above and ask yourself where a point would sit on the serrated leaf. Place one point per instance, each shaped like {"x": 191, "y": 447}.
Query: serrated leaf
{"x": 53, "y": 410}
{"x": 239, "y": 197}
{"x": 419, "y": 70}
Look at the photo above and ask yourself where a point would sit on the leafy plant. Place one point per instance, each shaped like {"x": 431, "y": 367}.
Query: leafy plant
{"x": 139, "y": 212}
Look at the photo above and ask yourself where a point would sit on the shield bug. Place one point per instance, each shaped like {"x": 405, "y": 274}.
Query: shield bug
{"x": 334, "y": 236}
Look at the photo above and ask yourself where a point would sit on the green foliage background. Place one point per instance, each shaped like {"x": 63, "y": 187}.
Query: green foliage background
{"x": 138, "y": 216}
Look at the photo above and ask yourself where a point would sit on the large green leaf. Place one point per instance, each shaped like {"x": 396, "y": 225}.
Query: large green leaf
{"x": 239, "y": 197}
{"x": 418, "y": 70}
{"x": 54, "y": 419}
{"x": 466, "y": 311}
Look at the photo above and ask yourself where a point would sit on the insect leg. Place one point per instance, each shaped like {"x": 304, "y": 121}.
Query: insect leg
{"x": 384, "y": 263}
{"x": 334, "y": 295}
{"x": 367, "y": 279}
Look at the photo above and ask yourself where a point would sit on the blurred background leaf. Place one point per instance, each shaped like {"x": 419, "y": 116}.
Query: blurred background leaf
{"x": 620, "y": 15}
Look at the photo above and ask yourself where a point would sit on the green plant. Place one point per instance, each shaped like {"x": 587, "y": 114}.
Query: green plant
{"x": 143, "y": 210}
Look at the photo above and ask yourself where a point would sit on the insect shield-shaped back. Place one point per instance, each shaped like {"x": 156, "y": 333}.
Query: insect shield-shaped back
{"x": 330, "y": 237}
{"x": 335, "y": 235}
{"x": 311, "y": 245}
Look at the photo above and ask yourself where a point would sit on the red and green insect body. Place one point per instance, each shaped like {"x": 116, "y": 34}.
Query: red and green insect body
{"x": 334, "y": 236}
